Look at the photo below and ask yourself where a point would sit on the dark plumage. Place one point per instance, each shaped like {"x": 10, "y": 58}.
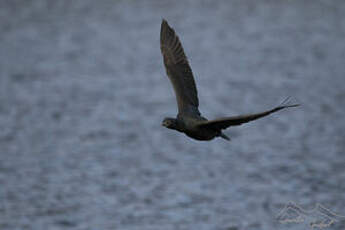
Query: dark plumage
{"x": 189, "y": 119}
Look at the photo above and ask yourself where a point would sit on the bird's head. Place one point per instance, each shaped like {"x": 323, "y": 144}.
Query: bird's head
{"x": 170, "y": 123}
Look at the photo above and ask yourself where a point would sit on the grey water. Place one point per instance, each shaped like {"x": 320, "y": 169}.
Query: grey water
{"x": 83, "y": 92}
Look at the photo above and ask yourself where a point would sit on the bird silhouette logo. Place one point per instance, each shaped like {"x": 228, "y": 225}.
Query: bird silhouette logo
{"x": 317, "y": 218}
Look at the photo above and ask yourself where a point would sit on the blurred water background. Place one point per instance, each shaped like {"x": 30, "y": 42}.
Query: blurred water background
{"x": 83, "y": 92}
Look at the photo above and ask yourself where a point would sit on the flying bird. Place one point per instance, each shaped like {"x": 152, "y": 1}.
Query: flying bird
{"x": 189, "y": 119}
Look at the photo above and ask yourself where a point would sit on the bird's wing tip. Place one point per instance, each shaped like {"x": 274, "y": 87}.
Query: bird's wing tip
{"x": 167, "y": 33}
{"x": 287, "y": 103}
{"x": 164, "y": 26}
{"x": 293, "y": 105}
{"x": 164, "y": 22}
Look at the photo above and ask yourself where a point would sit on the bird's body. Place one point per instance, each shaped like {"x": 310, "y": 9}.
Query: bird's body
{"x": 189, "y": 119}
{"x": 189, "y": 125}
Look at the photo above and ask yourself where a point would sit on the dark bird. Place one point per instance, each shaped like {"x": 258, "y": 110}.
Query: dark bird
{"x": 189, "y": 119}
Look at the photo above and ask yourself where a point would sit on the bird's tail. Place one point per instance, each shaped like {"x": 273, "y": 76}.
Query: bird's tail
{"x": 222, "y": 135}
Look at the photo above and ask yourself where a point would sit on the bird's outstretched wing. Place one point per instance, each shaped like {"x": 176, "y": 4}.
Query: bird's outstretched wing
{"x": 178, "y": 71}
{"x": 223, "y": 123}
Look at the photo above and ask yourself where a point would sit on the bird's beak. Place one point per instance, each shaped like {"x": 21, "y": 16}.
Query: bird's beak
{"x": 163, "y": 124}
